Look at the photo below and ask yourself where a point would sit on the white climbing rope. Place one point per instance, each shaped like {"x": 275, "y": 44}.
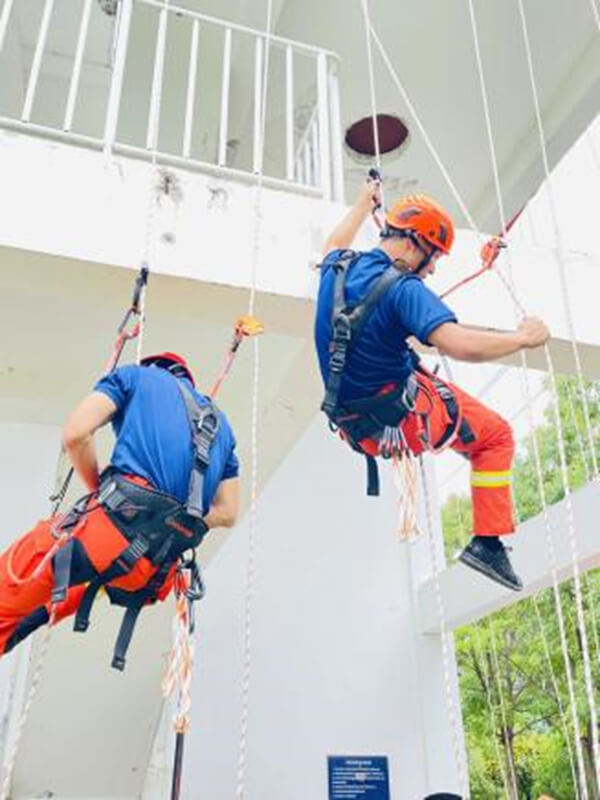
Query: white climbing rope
{"x": 31, "y": 695}
{"x": 502, "y": 705}
{"x": 595, "y": 13}
{"x": 461, "y": 766}
{"x": 512, "y": 294}
{"x": 406, "y": 476}
{"x": 491, "y": 710}
{"x": 557, "y": 599}
{"x": 252, "y": 532}
{"x": 559, "y": 426}
{"x": 486, "y": 676}
{"x": 371, "y": 73}
{"x": 435, "y": 155}
{"x": 560, "y": 260}
{"x": 559, "y": 703}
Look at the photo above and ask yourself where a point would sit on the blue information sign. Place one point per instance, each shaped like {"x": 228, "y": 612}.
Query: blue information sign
{"x": 358, "y": 778}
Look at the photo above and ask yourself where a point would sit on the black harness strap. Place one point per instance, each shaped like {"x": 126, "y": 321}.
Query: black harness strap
{"x": 62, "y": 572}
{"x": 204, "y": 424}
{"x": 122, "y": 565}
{"x": 347, "y": 325}
{"x": 342, "y": 333}
{"x": 134, "y": 602}
{"x": 464, "y": 432}
{"x": 372, "y": 476}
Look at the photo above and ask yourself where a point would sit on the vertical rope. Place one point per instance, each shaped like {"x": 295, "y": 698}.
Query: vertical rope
{"x": 502, "y": 705}
{"x": 252, "y": 533}
{"x": 33, "y": 688}
{"x": 491, "y": 712}
{"x": 595, "y": 13}
{"x": 486, "y": 677}
{"x": 435, "y": 155}
{"x": 371, "y": 73}
{"x": 556, "y": 591}
{"x": 365, "y": 9}
{"x": 560, "y": 260}
{"x": 561, "y": 710}
{"x": 559, "y": 426}
{"x": 450, "y": 704}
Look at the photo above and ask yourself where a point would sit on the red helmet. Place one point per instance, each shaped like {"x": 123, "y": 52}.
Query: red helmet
{"x": 423, "y": 216}
{"x": 173, "y": 363}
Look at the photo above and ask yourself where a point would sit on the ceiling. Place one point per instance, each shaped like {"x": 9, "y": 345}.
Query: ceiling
{"x": 430, "y": 45}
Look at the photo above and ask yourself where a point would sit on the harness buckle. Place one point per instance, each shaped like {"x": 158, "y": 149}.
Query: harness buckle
{"x": 337, "y": 360}
{"x": 342, "y": 329}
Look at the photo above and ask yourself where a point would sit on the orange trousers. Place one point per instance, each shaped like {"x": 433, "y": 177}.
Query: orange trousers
{"x": 490, "y": 454}
{"x": 27, "y": 573}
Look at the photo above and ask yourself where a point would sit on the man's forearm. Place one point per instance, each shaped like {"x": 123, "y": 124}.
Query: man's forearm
{"x": 488, "y": 346}
{"x": 344, "y": 233}
{"x": 82, "y": 455}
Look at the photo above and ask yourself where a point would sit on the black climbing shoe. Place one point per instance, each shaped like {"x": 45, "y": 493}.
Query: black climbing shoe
{"x": 487, "y": 555}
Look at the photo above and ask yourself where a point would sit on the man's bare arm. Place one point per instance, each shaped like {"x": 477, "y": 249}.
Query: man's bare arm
{"x": 225, "y": 506}
{"x": 342, "y": 236}
{"x": 92, "y": 413}
{"x": 477, "y": 344}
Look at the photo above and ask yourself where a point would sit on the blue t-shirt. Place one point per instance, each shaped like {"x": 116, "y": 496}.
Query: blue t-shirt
{"x": 380, "y": 354}
{"x": 154, "y": 439}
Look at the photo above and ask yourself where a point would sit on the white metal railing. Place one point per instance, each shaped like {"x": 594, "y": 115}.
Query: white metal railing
{"x": 173, "y": 118}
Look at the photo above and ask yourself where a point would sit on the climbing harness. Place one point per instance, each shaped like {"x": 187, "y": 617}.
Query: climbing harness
{"x": 156, "y": 525}
{"x": 377, "y": 417}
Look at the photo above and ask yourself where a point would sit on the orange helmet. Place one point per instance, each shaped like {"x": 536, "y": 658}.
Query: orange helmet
{"x": 419, "y": 214}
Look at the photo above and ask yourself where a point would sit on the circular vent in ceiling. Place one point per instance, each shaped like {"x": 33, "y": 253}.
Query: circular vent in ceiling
{"x": 360, "y": 141}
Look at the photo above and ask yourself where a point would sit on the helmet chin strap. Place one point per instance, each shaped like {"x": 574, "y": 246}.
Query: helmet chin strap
{"x": 388, "y": 232}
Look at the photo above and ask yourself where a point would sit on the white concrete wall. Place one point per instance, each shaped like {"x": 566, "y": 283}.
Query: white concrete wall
{"x": 337, "y": 667}
{"x": 74, "y": 202}
{"x": 28, "y": 456}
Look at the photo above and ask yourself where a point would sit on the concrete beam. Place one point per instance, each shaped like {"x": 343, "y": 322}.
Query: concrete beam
{"x": 468, "y": 596}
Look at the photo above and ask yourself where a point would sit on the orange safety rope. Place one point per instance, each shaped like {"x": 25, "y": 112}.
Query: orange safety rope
{"x": 489, "y": 254}
{"x": 245, "y": 327}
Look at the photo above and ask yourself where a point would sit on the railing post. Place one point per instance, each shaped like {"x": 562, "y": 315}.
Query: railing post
{"x": 314, "y": 147}
{"x": 308, "y": 163}
{"x": 289, "y": 113}
{"x": 4, "y": 17}
{"x": 37, "y": 60}
{"x": 323, "y": 112}
{"x": 222, "y": 155}
{"x": 74, "y": 86}
{"x": 258, "y": 144}
{"x": 335, "y": 121}
{"x": 157, "y": 80}
{"x": 191, "y": 91}
{"x": 116, "y": 86}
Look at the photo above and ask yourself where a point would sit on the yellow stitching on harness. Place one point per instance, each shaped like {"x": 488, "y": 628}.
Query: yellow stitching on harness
{"x": 491, "y": 480}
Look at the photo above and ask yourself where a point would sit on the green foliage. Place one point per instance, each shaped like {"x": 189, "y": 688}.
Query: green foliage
{"x": 511, "y": 704}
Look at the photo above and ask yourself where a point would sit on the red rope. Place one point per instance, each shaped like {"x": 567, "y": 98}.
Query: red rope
{"x": 489, "y": 254}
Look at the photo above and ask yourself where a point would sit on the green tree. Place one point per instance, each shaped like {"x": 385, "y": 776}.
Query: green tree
{"x": 515, "y": 730}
